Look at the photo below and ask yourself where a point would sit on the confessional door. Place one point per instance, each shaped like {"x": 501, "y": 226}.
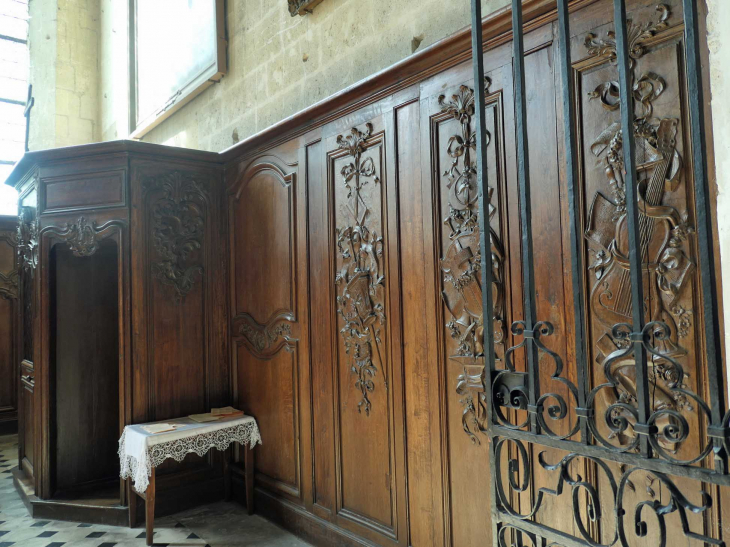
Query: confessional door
{"x": 82, "y": 357}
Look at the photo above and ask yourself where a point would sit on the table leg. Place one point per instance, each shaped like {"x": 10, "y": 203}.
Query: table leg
{"x": 227, "y": 473}
{"x": 150, "y": 508}
{"x": 248, "y": 462}
{"x": 132, "y": 503}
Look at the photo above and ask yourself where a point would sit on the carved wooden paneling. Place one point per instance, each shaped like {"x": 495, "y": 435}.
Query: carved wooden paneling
{"x": 666, "y": 225}
{"x": 89, "y": 191}
{"x": 175, "y": 258}
{"x": 9, "y": 290}
{"x": 365, "y": 464}
{"x": 264, "y": 330}
{"x": 456, "y": 225}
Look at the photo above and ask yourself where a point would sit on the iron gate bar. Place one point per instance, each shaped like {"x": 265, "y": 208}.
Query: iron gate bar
{"x": 477, "y": 51}
{"x": 632, "y": 218}
{"x": 576, "y": 233}
{"x": 703, "y": 206}
{"x": 523, "y": 182}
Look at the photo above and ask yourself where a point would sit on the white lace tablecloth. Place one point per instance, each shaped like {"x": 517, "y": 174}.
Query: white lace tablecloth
{"x": 140, "y": 452}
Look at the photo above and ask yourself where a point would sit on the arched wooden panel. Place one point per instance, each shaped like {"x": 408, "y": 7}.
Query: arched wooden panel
{"x": 262, "y": 231}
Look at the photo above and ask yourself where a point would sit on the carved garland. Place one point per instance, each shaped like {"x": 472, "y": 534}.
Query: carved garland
{"x": 27, "y": 240}
{"x": 178, "y": 229}
{"x": 360, "y": 301}
{"x": 461, "y": 265}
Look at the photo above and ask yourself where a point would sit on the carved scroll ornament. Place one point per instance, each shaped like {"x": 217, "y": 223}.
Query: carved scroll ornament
{"x": 178, "y": 229}
{"x": 81, "y": 237}
{"x": 461, "y": 265}
{"x": 266, "y": 340}
{"x": 361, "y": 281}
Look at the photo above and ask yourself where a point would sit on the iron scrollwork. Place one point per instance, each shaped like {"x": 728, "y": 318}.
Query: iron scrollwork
{"x": 620, "y": 482}
{"x": 624, "y": 498}
{"x": 360, "y": 302}
{"x": 178, "y": 229}
{"x": 461, "y": 265}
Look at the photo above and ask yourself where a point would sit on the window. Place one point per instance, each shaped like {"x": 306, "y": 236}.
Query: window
{"x": 178, "y": 50}
{"x": 13, "y": 93}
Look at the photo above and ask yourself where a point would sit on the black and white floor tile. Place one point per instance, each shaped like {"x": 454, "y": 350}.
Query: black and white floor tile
{"x": 217, "y": 525}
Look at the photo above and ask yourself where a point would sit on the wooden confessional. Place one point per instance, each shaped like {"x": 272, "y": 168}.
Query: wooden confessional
{"x": 119, "y": 324}
{"x": 8, "y": 325}
{"x": 325, "y": 276}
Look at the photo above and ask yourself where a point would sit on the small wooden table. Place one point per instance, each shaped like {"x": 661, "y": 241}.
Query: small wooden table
{"x": 140, "y": 452}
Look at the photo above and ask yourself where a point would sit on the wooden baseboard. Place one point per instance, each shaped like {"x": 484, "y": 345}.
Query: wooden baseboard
{"x": 298, "y": 520}
{"x": 74, "y": 511}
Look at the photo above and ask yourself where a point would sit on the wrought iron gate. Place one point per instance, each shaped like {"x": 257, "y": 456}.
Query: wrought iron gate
{"x": 522, "y": 413}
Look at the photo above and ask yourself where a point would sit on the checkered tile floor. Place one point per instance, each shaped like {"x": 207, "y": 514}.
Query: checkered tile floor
{"x": 221, "y": 524}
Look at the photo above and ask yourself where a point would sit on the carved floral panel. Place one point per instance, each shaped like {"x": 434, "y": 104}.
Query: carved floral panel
{"x": 178, "y": 211}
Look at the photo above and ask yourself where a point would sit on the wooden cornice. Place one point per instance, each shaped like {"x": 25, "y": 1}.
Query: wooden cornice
{"x": 446, "y": 53}
{"x": 31, "y": 159}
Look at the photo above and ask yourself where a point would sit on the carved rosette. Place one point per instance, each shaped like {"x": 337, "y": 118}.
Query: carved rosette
{"x": 266, "y": 340}
{"x": 461, "y": 265}
{"x": 360, "y": 279}
{"x": 664, "y": 249}
{"x": 178, "y": 229}
{"x": 9, "y": 279}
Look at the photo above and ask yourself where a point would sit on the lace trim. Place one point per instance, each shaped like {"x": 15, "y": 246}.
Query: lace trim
{"x": 139, "y": 472}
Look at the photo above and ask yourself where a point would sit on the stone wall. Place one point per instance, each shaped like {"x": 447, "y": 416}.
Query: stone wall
{"x": 114, "y": 70}
{"x": 42, "y": 40}
{"x": 279, "y": 65}
{"x": 64, "y": 55}
{"x": 718, "y": 29}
